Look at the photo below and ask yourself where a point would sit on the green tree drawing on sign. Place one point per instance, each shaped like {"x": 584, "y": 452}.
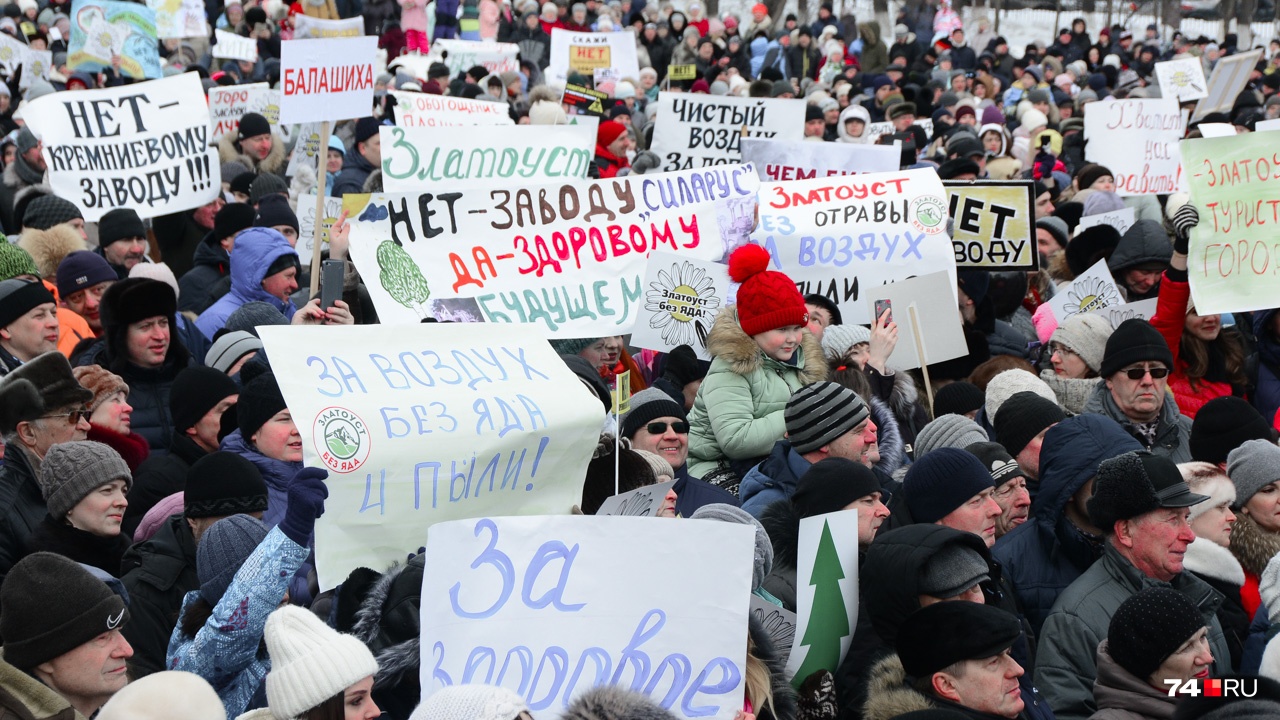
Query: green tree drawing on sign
{"x": 402, "y": 279}
{"x": 828, "y": 619}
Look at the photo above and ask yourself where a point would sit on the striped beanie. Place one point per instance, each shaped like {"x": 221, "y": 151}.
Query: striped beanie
{"x": 819, "y": 413}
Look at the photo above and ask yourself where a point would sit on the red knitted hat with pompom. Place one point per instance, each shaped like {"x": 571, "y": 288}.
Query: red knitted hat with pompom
{"x": 767, "y": 299}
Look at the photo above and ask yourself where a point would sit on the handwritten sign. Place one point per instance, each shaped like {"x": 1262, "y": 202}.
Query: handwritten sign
{"x": 1116, "y": 314}
{"x": 13, "y": 53}
{"x": 467, "y": 160}
{"x": 233, "y": 47}
{"x": 566, "y": 257}
{"x": 179, "y": 18}
{"x": 307, "y": 224}
{"x": 641, "y": 502}
{"x": 103, "y": 29}
{"x": 994, "y": 224}
{"x": 700, "y": 130}
{"x": 39, "y": 62}
{"x": 1121, "y": 220}
{"x": 584, "y": 52}
{"x": 462, "y": 55}
{"x": 826, "y": 593}
{"x": 306, "y": 27}
{"x": 423, "y": 110}
{"x": 228, "y": 104}
{"x": 840, "y": 236}
{"x": 941, "y": 326}
{"x": 1182, "y": 79}
{"x": 330, "y": 79}
{"x": 779, "y": 160}
{"x": 583, "y": 601}
{"x": 1091, "y": 291}
{"x": 419, "y": 424}
{"x": 142, "y": 146}
{"x": 681, "y": 300}
{"x": 779, "y": 624}
{"x": 1228, "y": 78}
{"x": 1137, "y": 139}
{"x": 1234, "y": 252}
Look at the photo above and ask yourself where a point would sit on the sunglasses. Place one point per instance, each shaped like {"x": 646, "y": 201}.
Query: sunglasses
{"x": 1138, "y": 373}
{"x": 657, "y": 428}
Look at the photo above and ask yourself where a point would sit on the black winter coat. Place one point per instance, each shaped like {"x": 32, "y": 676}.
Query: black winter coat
{"x": 195, "y": 289}
{"x": 148, "y": 391}
{"x": 158, "y": 478}
{"x": 22, "y": 506}
{"x": 157, "y": 574}
{"x": 84, "y": 547}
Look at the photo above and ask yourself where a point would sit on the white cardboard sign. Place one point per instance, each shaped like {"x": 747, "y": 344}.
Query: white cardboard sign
{"x": 307, "y": 224}
{"x": 234, "y": 47}
{"x": 1093, "y": 290}
{"x": 641, "y": 502}
{"x": 464, "y": 159}
{"x": 826, "y": 593}
{"x": 327, "y": 79}
{"x": 699, "y": 130}
{"x": 938, "y": 311}
{"x": 1116, "y": 314}
{"x": 1226, "y": 81}
{"x": 585, "y": 52}
{"x": 1137, "y": 139}
{"x": 462, "y": 55}
{"x": 228, "y": 104}
{"x": 424, "y": 110}
{"x": 682, "y": 297}
{"x": 1182, "y": 79}
{"x": 1121, "y": 220}
{"x": 779, "y": 160}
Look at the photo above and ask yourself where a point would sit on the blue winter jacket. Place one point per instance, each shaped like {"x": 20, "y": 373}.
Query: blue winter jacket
{"x": 773, "y": 479}
{"x": 692, "y": 493}
{"x": 225, "y": 651}
{"x": 1266, "y": 395}
{"x": 255, "y": 250}
{"x": 1047, "y": 553}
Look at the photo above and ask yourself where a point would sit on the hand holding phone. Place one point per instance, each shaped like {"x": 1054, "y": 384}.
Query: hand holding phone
{"x": 883, "y": 306}
{"x": 330, "y": 282}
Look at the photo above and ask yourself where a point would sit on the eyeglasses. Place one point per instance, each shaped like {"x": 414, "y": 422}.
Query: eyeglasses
{"x": 72, "y": 417}
{"x": 657, "y": 428}
{"x": 1138, "y": 373}
{"x": 1060, "y": 348}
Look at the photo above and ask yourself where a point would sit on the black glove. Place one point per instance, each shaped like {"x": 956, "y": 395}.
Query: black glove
{"x": 1184, "y": 219}
{"x": 1044, "y": 164}
{"x": 306, "y": 503}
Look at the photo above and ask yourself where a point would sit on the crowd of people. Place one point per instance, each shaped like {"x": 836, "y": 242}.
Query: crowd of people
{"x": 1072, "y": 520}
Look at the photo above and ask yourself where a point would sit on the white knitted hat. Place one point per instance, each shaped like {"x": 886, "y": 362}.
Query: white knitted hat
{"x": 1011, "y": 382}
{"x": 310, "y": 662}
{"x": 472, "y": 702}
{"x": 157, "y": 695}
{"x": 839, "y": 339}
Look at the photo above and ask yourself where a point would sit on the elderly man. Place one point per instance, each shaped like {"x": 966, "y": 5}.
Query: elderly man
{"x": 41, "y": 405}
{"x": 1135, "y": 370}
{"x": 1142, "y": 504}
{"x": 28, "y": 323}
{"x": 1011, "y": 485}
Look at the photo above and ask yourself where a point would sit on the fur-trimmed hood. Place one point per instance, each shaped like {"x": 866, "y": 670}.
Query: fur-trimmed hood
{"x": 1209, "y": 559}
{"x": 888, "y": 694}
{"x": 727, "y": 341}
{"x": 397, "y": 661}
{"x": 607, "y": 702}
{"x": 893, "y": 451}
{"x": 1253, "y": 546}
{"x": 49, "y": 247}
{"x": 275, "y": 162}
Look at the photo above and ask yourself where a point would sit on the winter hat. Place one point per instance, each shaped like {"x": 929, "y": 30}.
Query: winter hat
{"x": 15, "y": 261}
{"x": 132, "y": 300}
{"x": 310, "y": 662}
{"x": 545, "y": 112}
{"x": 1089, "y": 174}
{"x": 948, "y": 431}
{"x": 273, "y": 211}
{"x": 19, "y": 297}
{"x": 26, "y": 140}
{"x": 37, "y": 387}
{"x": 252, "y": 125}
{"x": 82, "y": 269}
{"x": 259, "y": 401}
{"x": 1057, "y": 227}
{"x": 957, "y": 398}
{"x": 572, "y": 346}
{"x": 1251, "y": 467}
{"x": 1098, "y": 202}
{"x": 1224, "y": 424}
{"x": 154, "y": 697}
{"x": 242, "y": 183}
{"x": 265, "y": 185}
{"x": 50, "y": 605}
{"x": 683, "y": 366}
{"x": 1086, "y": 335}
{"x": 221, "y": 484}
{"x": 943, "y": 634}
{"x": 648, "y": 405}
{"x": 366, "y": 128}
{"x": 1009, "y": 383}
{"x": 473, "y": 702}
{"x": 72, "y": 470}
{"x": 1136, "y": 483}
{"x": 157, "y": 271}
{"x": 101, "y": 382}
{"x": 223, "y": 548}
{"x": 610, "y": 702}
{"x": 838, "y": 340}
{"x": 119, "y": 224}
{"x": 230, "y": 220}
{"x": 1033, "y": 118}
{"x": 232, "y": 170}
{"x": 942, "y": 481}
{"x": 1135, "y": 340}
{"x": 48, "y": 210}
{"x": 1149, "y": 627}
{"x": 609, "y": 131}
{"x": 252, "y": 315}
{"x": 767, "y": 299}
{"x": 974, "y": 283}
{"x": 195, "y": 391}
{"x": 831, "y": 484}
{"x": 819, "y": 413}
{"x": 954, "y": 568}
{"x": 1024, "y": 416}
{"x": 230, "y": 347}
{"x": 763, "y": 554}
{"x": 1208, "y": 480}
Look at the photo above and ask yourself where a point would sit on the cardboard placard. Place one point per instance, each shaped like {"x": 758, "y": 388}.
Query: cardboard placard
{"x": 1121, "y": 220}
{"x": 941, "y": 326}
{"x": 307, "y": 224}
{"x": 641, "y": 502}
{"x": 1228, "y": 78}
{"x": 1092, "y": 290}
{"x": 586, "y": 101}
{"x": 329, "y": 79}
{"x": 682, "y": 72}
{"x": 584, "y": 52}
{"x": 993, "y": 224}
{"x": 1116, "y": 314}
{"x": 462, "y": 55}
{"x": 306, "y": 27}
{"x": 228, "y": 104}
{"x": 1212, "y": 130}
{"x": 233, "y": 47}
{"x": 699, "y": 130}
{"x": 1137, "y": 139}
{"x": 682, "y": 297}
{"x": 467, "y": 160}
{"x": 876, "y": 129}
{"x": 103, "y": 29}
{"x": 779, "y": 160}
{"x": 826, "y": 593}
{"x": 1182, "y": 79}
{"x": 423, "y": 110}
{"x": 180, "y": 18}
{"x": 779, "y": 624}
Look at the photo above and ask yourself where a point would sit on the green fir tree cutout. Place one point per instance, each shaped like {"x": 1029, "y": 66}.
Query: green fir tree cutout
{"x": 402, "y": 279}
{"x": 828, "y": 618}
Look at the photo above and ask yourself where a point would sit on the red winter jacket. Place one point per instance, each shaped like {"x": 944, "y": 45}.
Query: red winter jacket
{"x": 1170, "y": 319}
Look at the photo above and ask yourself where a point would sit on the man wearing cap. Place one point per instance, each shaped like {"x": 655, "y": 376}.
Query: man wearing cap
{"x": 28, "y": 323}
{"x": 657, "y": 424}
{"x": 210, "y": 275}
{"x": 122, "y": 240}
{"x": 161, "y": 570}
{"x": 64, "y": 652}
{"x": 1011, "y": 485}
{"x": 952, "y": 656}
{"x": 1142, "y": 504}
{"x": 41, "y": 405}
{"x": 822, "y": 420}
{"x": 255, "y": 145}
{"x": 83, "y": 277}
{"x": 361, "y": 160}
{"x": 1135, "y": 371}
{"x": 22, "y": 176}
{"x": 902, "y": 115}
{"x": 1021, "y": 423}
{"x": 264, "y": 268}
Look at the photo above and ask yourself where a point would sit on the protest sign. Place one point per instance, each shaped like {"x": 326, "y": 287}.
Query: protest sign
{"x": 583, "y": 52}
{"x": 308, "y": 146}
{"x": 1226, "y": 81}
{"x": 993, "y": 224}
{"x": 840, "y": 236}
{"x": 419, "y": 424}
{"x": 1267, "y": 125}
{"x": 228, "y": 104}
{"x": 1212, "y": 130}
{"x": 330, "y": 79}
{"x": 606, "y": 79}
{"x": 938, "y": 312}
{"x": 13, "y": 53}
{"x": 38, "y": 64}
{"x": 701, "y": 130}
{"x": 586, "y": 121}
{"x": 143, "y": 146}
{"x": 779, "y": 624}
{"x": 1116, "y": 314}
{"x": 1092, "y": 290}
{"x": 873, "y": 131}
{"x": 618, "y": 601}
{"x": 423, "y": 110}
{"x": 233, "y": 47}
{"x": 681, "y": 300}
{"x": 307, "y": 224}
{"x": 462, "y": 55}
{"x": 1121, "y": 220}
{"x": 467, "y": 160}
{"x": 1182, "y": 79}
{"x": 826, "y": 593}
{"x": 567, "y": 257}
{"x": 585, "y": 100}
{"x": 682, "y": 72}
{"x": 641, "y": 502}
{"x": 306, "y": 27}
{"x": 1234, "y": 254}
{"x": 1137, "y": 139}
{"x": 103, "y": 29}
{"x": 779, "y": 160}
{"x": 179, "y": 18}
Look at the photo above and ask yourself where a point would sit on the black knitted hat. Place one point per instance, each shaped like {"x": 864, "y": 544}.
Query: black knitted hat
{"x": 1149, "y": 627}
{"x": 259, "y": 401}
{"x": 222, "y": 484}
{"x": 1135, "y": 340}
{"x": 1224, "y": 424}
{"x": 50, "y": 605}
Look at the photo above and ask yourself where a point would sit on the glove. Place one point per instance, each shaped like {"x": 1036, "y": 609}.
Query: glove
{"x": 1044, "y": 164}
{"x": 307, "y": 492}
{"x": 1184, "y": 219}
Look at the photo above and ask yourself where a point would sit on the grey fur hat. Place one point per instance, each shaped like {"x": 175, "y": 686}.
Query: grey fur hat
{"x": 46, "y": 383}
